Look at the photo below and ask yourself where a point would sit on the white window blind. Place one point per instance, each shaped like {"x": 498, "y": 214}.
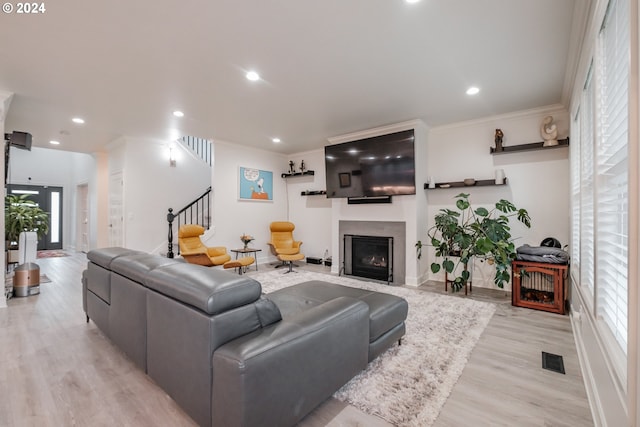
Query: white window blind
{"x": 587, "y": 141}
{"x": 575, "y": 197}
{"x": 611, "y": 189}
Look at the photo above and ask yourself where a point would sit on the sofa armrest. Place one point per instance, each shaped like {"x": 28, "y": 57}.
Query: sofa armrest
{"x": 278, "y": 374}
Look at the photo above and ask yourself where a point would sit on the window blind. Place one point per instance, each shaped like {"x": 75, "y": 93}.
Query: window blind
{"x": 587, "y": 240}
{"x": 611, "y": 189}
{"x": 575, "y": 196}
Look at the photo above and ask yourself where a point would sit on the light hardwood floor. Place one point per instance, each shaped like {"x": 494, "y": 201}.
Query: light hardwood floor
{"x": 58, "y": 370}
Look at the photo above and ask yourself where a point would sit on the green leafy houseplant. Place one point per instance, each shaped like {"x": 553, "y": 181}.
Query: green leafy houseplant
{"x": 22, "y": 214}
{"x": 467, "y": 232}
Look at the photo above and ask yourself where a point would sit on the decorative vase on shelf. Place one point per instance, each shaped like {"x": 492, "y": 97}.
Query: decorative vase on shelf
{"x": 549, "y": 132}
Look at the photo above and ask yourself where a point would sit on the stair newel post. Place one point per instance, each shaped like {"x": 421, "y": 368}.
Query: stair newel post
{"x": 170, "y": 217}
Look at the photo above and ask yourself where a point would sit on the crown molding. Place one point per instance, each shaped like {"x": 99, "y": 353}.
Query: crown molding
{"x": 539, "y": 111}
{"x": 382, "y": 130}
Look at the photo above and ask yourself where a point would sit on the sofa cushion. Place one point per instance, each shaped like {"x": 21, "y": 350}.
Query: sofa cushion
{"x": 136, "y": 267}
{"x": 105, "y": 256}
{"x": 210, "y": 290}
{"x": 385, "y": 311}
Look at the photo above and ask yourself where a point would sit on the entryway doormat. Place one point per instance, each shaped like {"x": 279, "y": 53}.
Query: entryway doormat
{"x": 52, "y": 254}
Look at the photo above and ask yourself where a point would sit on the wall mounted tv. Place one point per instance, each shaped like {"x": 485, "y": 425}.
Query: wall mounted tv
{"x": 372, "y": 167}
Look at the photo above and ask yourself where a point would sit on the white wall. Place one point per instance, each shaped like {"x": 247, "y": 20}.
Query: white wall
{"x": 310, "y": 214}
{"x": 537, "y": 180}
{"x": 233, "y": 217}
{"x": 151, "y": 187}
{"x": 56, "y": 168}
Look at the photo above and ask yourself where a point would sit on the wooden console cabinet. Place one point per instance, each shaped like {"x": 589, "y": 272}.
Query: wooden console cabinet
{"x": 541, "y": 286}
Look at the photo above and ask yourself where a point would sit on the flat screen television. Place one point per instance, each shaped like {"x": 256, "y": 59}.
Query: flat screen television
{"x": 372, "y": 167}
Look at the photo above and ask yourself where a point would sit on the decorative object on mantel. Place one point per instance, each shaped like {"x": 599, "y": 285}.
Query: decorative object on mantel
{"x": 469, "y": 182}
{"x": 466, "y": 232}
{"x": 302, "y": 166}
{"x": 499, "y": 176}
{"x": 431, "y": 182}
{"x": 498, "y": 139}
{"x": 549, "y": 132}
{"x": 246, "y": 239}
{"x": 292, "y": 167}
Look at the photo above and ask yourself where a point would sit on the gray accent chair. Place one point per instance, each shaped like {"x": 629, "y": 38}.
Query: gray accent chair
{"x": 224, "y": 351}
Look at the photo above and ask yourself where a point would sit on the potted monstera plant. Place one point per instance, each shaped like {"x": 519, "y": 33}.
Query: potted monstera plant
{"x": 466, "y": 232}
{"x": 22, "y": 214}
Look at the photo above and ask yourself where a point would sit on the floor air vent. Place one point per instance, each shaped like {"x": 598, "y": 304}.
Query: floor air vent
{"x": 552, "y": 362}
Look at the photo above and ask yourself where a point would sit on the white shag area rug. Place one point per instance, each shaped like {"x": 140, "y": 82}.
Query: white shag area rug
{"x": 408, "y": 384}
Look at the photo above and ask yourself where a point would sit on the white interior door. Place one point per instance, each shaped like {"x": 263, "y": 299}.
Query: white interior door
{"x": 116, "y": 209}
{"x": 82, "y": 218}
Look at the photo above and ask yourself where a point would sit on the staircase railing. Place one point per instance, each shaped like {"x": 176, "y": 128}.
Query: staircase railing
{"x": 196, "y": 212}
{"x": 200, "y": 147}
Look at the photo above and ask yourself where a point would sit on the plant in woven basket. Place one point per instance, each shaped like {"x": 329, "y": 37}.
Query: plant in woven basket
{"x": 467, "y": 232}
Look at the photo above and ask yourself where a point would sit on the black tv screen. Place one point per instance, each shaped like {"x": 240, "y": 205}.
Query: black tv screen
{"x": 379, "y": 166}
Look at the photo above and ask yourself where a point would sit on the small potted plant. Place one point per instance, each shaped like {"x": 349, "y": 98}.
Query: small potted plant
{"x": 467, "y": 232}
{"x": 22, "y": 214}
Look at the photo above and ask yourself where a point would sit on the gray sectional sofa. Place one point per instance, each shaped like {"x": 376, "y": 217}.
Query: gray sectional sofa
{"x": 225, "y": 352}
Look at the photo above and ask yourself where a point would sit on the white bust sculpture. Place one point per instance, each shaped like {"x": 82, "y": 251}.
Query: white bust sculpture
{"x": 549, "y": 132}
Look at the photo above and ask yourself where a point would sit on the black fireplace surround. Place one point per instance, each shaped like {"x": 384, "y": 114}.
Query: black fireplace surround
{"x": 370, "y": 257}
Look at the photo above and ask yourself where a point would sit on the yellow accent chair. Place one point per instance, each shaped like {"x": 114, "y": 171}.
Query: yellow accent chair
{"x": 282, "y": 242}
{"x": 195, "y": 252}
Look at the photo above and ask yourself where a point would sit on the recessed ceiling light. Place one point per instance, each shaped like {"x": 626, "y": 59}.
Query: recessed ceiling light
{"x": 78, "y": 120}
{"x": 412, "y": 1}
{"x": 473, "y": 90}
{"x": 178, "y": 113}
{"x": 253, "y": 76}
{"x": 54, "y": 142}
{"x": 276, "y": 140}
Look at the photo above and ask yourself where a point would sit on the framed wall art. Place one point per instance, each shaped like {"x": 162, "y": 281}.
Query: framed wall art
{"x": 345, "y": 179}
{"x": 255, "y": 184}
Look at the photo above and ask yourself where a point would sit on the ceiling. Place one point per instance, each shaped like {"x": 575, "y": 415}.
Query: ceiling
{"x": 327, "y": 67}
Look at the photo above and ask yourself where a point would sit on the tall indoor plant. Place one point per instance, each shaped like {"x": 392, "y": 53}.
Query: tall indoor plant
{"x": 22, "y": 214}
{"x": 467, "y": 232}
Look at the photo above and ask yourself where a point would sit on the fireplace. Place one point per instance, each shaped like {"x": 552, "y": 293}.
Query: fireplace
{"x": 370, "y": 257}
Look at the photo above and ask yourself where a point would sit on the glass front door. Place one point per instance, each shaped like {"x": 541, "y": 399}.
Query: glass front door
{"x": 50, "y": 200}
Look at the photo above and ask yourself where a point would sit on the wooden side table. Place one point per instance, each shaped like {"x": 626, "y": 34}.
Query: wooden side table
{"x": 247, "y": 252}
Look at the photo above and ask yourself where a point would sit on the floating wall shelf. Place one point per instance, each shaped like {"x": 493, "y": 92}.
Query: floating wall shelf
{"x": 529, "y": 147}
{"x": 313, "y": 193}
{"x": 461, "y": 184}
{"x": 291, "y": 175}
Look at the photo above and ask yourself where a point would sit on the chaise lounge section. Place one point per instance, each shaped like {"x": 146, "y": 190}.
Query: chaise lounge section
{"x": 226, "y": 353}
